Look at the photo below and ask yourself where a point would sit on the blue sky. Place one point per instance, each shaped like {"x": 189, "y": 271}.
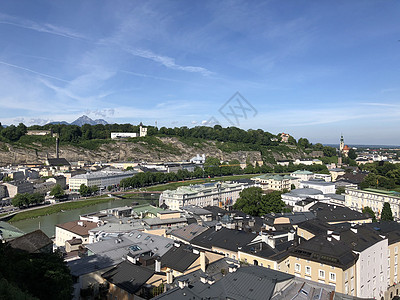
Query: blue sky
{"x": 314, "y": 69}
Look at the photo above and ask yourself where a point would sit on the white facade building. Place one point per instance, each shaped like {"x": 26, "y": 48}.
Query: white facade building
{"x": 303, "y": 175}
{"x": 123, "y": 135}
{"x": 358, "y": 199}
{"x": 101, "y": 179}
{"x": 209, "y": 194}
{"x": 323, "y": 186}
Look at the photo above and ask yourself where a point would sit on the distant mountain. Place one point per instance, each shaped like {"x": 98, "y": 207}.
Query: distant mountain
{"x": 82, "y": 121}
{"x": 59, "y": 123}
{"x": 86, "y": 120}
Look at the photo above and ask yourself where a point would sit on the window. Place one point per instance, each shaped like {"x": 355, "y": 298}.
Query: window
{"x": 395, "y": 249}
{"x": 308, "y": 270}
{"x": 332, "y": 276}
{"x": 395, "y": 259}
{"x": 321, "y": 274}
{"x": 346, "y": 276}
{"x": 297, "y": 267}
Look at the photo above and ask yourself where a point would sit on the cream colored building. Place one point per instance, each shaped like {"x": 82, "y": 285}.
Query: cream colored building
{"x": 210, "y": 194}
{"x": 73, "y": 230}
{"x": 358, "y": 199}
{"x": 275, "y": 182}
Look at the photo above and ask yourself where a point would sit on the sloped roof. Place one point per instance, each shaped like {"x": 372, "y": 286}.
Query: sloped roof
{"x": 189, "y": 232}
{"x": 179, "y": 258}
{"x": 32, "y": 242}
{"x": 58, "y": 162}
{"x": 332, "y": 252}
{"x": 224, "y": 238}
{"x": 75, "y": 227}
{"x": 128, "y": 276}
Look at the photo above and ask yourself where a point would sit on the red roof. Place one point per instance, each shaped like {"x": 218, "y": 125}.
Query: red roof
{"x": 346, "y": 147}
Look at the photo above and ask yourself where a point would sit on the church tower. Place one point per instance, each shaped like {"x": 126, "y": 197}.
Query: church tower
{"x": 341, "y": 144}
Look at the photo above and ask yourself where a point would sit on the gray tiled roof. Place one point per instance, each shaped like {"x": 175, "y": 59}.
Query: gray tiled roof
{"x": 179, "y": 258}
{"x": 128, "y": 276}
{"x": 188, "y": 232}
{"x": 224, "y": 238}
{"x": 246, "y": 283}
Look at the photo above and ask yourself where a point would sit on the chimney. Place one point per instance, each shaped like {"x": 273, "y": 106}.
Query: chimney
{"x": 354, "y": 229}
{"x": 211, "y": 280}
{"x": 329, "y": 238}
{"x": 183, "y": 283}
{"x": 291, "y": 235}
{"x": 177, "y": 244}
{"x": 170, "y": 277}
{"x": 251, "y": 222}
{"x": 271, "y": 241}
{"x": 336, "y": 236}
{"x": 203, "y": 261}
{"x": 203, "y": 278}
{"x": 232, "y": 268}
{"x": 218, "y": 226}
{"x": 57, "y": 146}
{"x": 157, "y": 265}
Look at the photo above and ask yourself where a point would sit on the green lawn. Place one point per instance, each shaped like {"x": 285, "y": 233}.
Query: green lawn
{"x": 57, "y": 208}
{"x": 174, "y": 185}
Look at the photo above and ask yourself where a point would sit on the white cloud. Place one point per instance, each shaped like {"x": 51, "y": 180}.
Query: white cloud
{"x": 46, "y": 28}
{"x": 166, "y": 61}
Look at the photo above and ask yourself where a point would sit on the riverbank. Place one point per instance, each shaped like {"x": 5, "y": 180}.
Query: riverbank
{"x": 55, "y": 208}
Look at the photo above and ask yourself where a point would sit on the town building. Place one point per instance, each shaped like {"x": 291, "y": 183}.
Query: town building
{"x": 34, "y": 242}
{"x": 73, "y": 230}
{"x": 275, "y": 182}
{"x": 101, "y": 179}
{"x": 124, "y": 135}
{"x": 18, "y": 187}
{"x": 323, "y": 186}
{"x": 303, "y": 175}
{"x": 223, "y": 194}
{"x": 336, "y": 172}
{"x": 198, "y": 160}
{"x": 373, "y": 198}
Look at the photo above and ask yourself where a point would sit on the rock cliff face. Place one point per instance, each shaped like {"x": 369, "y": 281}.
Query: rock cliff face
{"x": 165, "y": 149}
{"x": 169, "y": 149}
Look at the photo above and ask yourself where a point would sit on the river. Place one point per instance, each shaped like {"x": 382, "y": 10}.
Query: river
{"x": 47, "y": 223}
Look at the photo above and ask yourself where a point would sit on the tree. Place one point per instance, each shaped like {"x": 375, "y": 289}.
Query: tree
{"x": 249, "y": 201}
{"x": 329, "y": 151}
{"x": 20, "y": 200}
{"x": 352, "y": 154}
{"x": 7, "y": 179}
{"x": 340, "y": 190}
{"x": 253, "y": 202}
{"x": 368, "y": 210}
{"x": 84, "y": 190}
{"x": 386, "y": 214}
{"x": 23, "y": 270}
{"x": 271, "y": 202}
{"x": 303, "y": 142}
{"x": 57, "y": 192}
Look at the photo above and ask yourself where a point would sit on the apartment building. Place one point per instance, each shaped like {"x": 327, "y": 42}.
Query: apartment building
{"x": 358, "y": 199}
{"x": 275, "y": 182}
{"x": 102, "y": 179}
{"x": 222, "y": 194}
{"x": 73, "y": 230}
